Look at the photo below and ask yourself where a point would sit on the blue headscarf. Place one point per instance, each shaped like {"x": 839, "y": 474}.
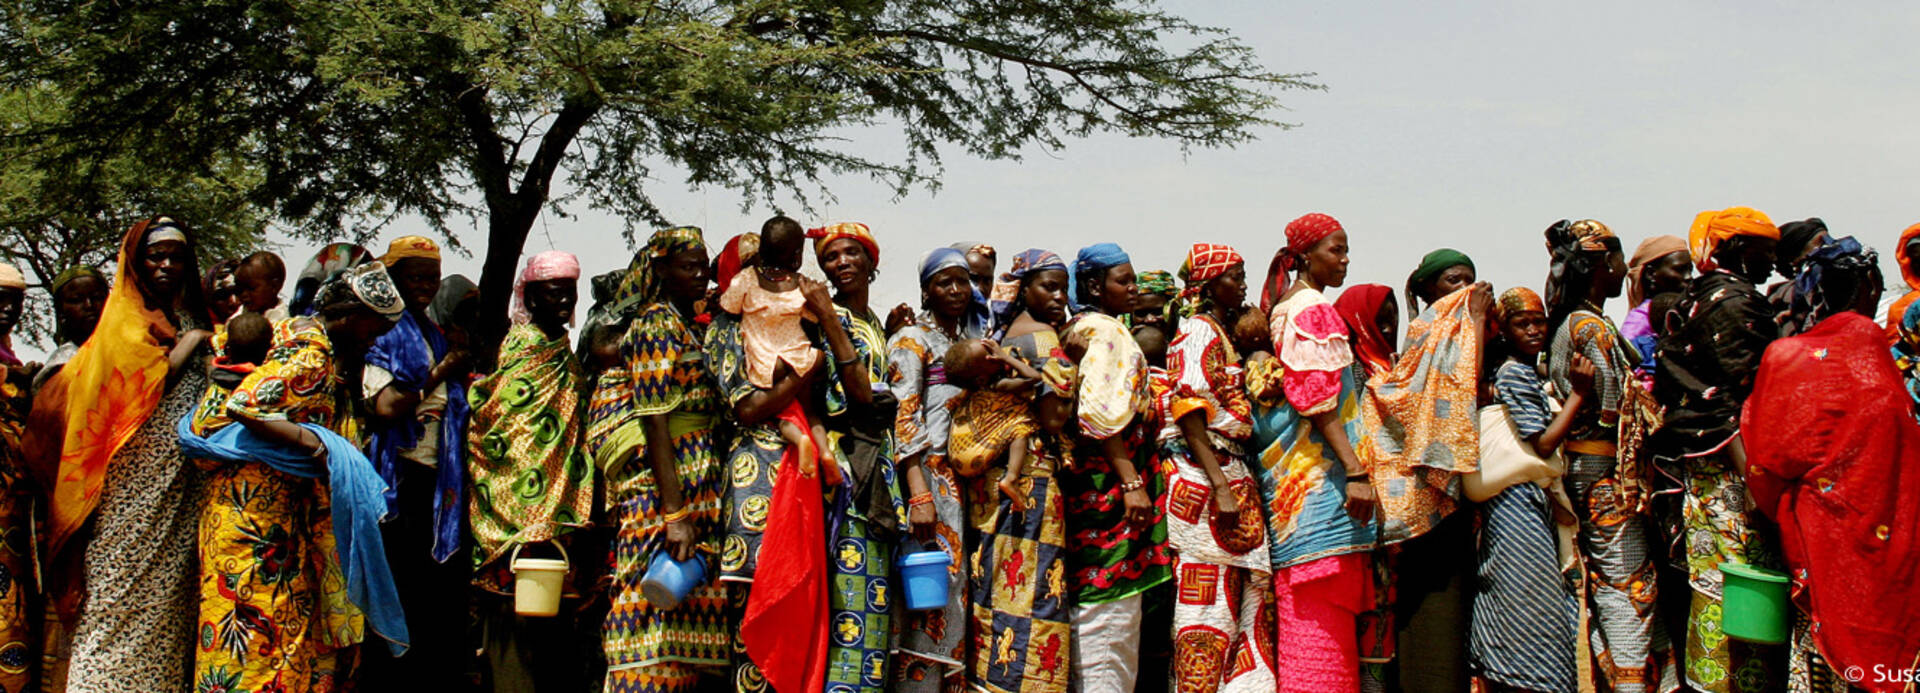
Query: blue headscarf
{"x": 1006, "y": 292}
{"x": 1810, "y": 303}
{"x": 1094, "y": 258}
{"x": 976, "y": 321}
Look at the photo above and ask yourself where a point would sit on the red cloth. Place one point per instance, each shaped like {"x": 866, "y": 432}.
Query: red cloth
{"x": 785, "y": 629}
{"x": 1360, "y": 307}
{"x": 1833, "y": 455}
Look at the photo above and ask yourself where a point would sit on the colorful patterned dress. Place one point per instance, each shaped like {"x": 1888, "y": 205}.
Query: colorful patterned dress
{"x": 932, "y": 644}
{"x": 861, "y": 592}
{"x": 1223, "y": 574}
{"x": 19, "y": 592}
{"x": 663, "y": 373}
{"x": 530, "y": 481}
{"x": 273, "y": 604}
{"x": 1630, "y": 642}
{"x": 1319, "y": 553}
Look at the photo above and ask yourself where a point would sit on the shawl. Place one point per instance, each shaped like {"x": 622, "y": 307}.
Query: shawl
{"x": 1898, "y": 308}
{"x": 1711, "y": 228}
{"x": 1838, "y": 481}
{"x": 409, "y": 351}
{"x": 1360, "y": 307}
{"x": 1649, "y": 250}
{"x": 1421, "y": 422}
{"x": 454, "y": 290}
{"x": 332, "y": 259}
{"x": 530, "y": 482}
{"x": 792, "y": 658}
{"x": 1708, "y": 361}
{"x": 357, "y": 506}
{"x": 100, "y": 398}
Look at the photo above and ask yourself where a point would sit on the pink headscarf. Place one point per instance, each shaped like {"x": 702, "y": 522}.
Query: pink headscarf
{"x": 546, "y": 266}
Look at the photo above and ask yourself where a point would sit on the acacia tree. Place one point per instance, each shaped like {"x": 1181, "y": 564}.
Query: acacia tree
{"x": 352, "y": 110}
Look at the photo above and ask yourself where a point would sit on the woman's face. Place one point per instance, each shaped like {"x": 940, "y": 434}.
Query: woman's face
{"x": 10, "y": 302}
{"x": 1388, "y": 321}
{"x": 980, "y": 272}
{"x": 1045, "y": 295}
{"x": 1114, "y": 293}
{"x": 1611, "y": 273}
{"x": 77, "y": 307}
{"x": 846, "y": 264}
{"x": 1667, "y": 273}
{"x": 1230, "y": 289}
{"x": 418, "y": 279}
{"x": 1450, "y": 280}
{"x": 1327, "y": 260}
{"x": 352, "y": 335}
{"x": 1149, "y": 309}
{"x": 163, "y": 266}
{"x": 1750, "y": 257}
{"x": 551, "y": 302}
{"x": 948, "y": 292}
{"x": 684, "y": 274}
{"x": 224, "y": 303}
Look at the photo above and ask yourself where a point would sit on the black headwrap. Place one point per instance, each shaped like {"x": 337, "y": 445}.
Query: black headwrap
{"x": 1794, "y": 237}
{"x": 1578, "y": 249}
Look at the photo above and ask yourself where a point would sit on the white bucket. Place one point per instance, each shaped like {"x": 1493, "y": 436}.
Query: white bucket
{"x": 538, "y": 582}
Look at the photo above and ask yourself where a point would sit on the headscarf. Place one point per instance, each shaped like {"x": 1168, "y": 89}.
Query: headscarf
{"x": 1006, "y": 291}
{"x": 410, "y": 246}
{"x": 455, "y": 289}
{"x": 1811, "y": 304}
{"x": 1096, "y": 258}
{"x": 1433, "y": 265}
{"x": 332, "y": 259}
{"x": 740, "y": 252}
{"x": 1651, "y": 249}
{"x": 641, "y": 286}
{"x": 1711, "y": 228}
{"x": 1204, "y": 262}
{"x": 846, "y": 229}
{"x": 545, "y": 266}
{"x": 1577, "y": 248}
{"x": 972, "y": 248}
{"x": 11, "y": 278}
{"x": 218, "y": 280}
{"x": 1156, "y": 283}
{"x": 1794, "y": 237}
{"x": 95, "y": 404}
{"x": 1515, "y": 301}
{"x": 69, "y": 274}
{"x": 369, "y": 285}
{"x": 1360, "y": 307}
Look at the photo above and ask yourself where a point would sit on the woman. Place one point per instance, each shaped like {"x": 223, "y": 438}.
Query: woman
{"x": 651, "y": 431}
{"x": 1019, "y": 591}
{"x": 331, "y": 260}
{"x": 273, "y": 602}
{"x": 1317, "y": 499}
{"x": 79, "y": 292}
{"x": 1906, "y": 353}
{"x": 1832, "y": 480}
{"x": 531, "y": 483}
{"x": 1440, "y": 273}
{"x": 143, "y": 369}
{"x": 932, "y": 643}
{"x": 1660, "y": 265}
{"x": 1154, "y": 304}
{"x": 861, "y": 410}
{"x": 1373, "y": 318}
{"x": 1707, "y": 368}
{"x": 1223, "y": 571}
{"x": 221, "y": 292}
{"x": 1907, "y": 254}
{"x": 1117, "y": 539}
{"x": 1798, "y": 240}
{"x": 1610, "y": 492}
{"x": 415, "y": 388}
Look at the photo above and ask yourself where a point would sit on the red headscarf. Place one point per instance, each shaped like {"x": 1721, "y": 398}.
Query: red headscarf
{"x": 846, "y": 229}
{"x": 1302, "y": 234}
{"x": 1360, "y": 307}
{"x": 1204, "y": 262}
{"x": 740, "y": 251}
{"x": 1838, "y": 477}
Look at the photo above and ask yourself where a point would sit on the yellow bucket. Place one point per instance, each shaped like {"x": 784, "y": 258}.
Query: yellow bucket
{"x": 538, "y": 582}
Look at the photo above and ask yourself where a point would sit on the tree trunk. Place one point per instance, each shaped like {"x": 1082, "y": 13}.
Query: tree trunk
{"x": 508, "y": 223}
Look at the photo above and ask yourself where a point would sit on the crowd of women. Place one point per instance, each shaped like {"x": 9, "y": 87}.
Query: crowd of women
{"x": 1136, "y": 480}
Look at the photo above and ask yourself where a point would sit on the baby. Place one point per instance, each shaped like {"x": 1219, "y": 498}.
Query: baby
{"x": 249, "y": 335}
{"x": 1005, "y": 383}
{"x": 771, "y": 308}
{"x": 259, "y": 279}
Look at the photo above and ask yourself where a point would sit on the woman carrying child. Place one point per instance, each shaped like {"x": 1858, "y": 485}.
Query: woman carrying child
{"x": 1222, "y": 573}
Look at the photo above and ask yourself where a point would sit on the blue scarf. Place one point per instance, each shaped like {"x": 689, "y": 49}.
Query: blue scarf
{"x": 1094, "y": 258}
{"x": 357, "y": 508}
{"x": 409, "y": 351}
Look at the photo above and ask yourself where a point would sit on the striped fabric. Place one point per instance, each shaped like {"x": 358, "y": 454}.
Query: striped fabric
{"x": 1518, "y": 386}
{"x": 1524, "y": 616}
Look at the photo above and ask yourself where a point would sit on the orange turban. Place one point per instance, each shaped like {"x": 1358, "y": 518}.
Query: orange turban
{"x": 1710, "y": 229}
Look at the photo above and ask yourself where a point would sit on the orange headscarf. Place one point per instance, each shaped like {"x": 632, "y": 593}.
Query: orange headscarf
{"x": 1711, "y": 228}
{"x": 101, "y": 396}
{"x": 1899, "y": 307}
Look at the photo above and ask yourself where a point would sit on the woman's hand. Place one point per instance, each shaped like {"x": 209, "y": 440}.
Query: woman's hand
{"x": 819, "y": 299}
{"x": 1226, "y": 508}
{"x": 1139, "y": 507}
{"x": 900, "y": 316}
{"x": 1580, "y": 373}
{"x": 682, "y": 539}
{"x": 1481, "y": 300}
{"x": 924, "y": 522}
{"x": 1361, "y": 499}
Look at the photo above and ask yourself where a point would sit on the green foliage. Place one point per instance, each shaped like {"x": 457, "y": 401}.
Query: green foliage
{"x": 344, "y": 113}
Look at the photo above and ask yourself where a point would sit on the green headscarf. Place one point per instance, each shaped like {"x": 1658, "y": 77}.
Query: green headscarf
{"x": 71, "y": 273}
{"x": 1431, "y": 266}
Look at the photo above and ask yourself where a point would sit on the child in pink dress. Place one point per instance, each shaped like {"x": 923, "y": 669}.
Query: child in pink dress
{"x": 771, "y": 308}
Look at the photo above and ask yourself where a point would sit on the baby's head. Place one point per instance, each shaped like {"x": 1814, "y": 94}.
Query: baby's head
{"x": 969, "y": 366}
{"x": 781, "y": 243}
{"x": 1251, "y": 332}
{"x": 1152, "y": 340}
{"x": 1053, "y": 411}
{"x": 1662, "y": 312}
{"x": 603, "y": 346}
{"x": 259, "y": 279}
{"x": 249, "y": 335}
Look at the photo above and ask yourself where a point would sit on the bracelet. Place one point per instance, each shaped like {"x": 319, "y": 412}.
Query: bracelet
{"x": 919, "y": 499}
{"x": 837, "y": 361}
{"x": 673, "y": 516}
{"x": 1139, "y": 482}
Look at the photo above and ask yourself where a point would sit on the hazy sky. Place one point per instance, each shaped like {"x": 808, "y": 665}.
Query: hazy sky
{"x": 1468, "y": 125}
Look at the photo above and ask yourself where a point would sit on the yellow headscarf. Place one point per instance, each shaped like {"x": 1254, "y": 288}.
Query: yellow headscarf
{"x": 1711, "y": 228}
{"x": 410, "y": 246}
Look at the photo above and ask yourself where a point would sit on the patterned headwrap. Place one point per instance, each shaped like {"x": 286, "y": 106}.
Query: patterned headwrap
{"x": 1156, "y": 283}
{"x": 846, "y": 229}
{"x": 11, "y": 278}
{"x": 410, "y": 246}
{"x": 1711, "y": 228}
{"x": 641, "y": 286}
{"x": 75, "y": 272}
{"x": 164, "y": 229}
{"x": 1576, "y": 248}
{"x": 330, "y": 261}
{"x": 1811, "y": 304}
{"x": 980, "y": 249}
{"x": 1006, "y": 290}
{"x": 1651, "y": 249}
{"x": 369, "y": 284}
{"x": 1515, "y": 301}
{"x": 1431, "y": 266}
{"x": 546, "y": 266}
{"x": 1092, "y": 259}
{"x": 1204, "y": 262}
{"x": 1302, "y": 234}
{"x": 739, "y": 252}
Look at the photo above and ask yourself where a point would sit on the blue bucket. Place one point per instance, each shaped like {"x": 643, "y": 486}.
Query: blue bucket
{"x": 668, "y": 581}
{"x": 927, "y": 579}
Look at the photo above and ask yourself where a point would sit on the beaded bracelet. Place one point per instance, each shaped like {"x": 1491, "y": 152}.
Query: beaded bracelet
{"x": 923, "y": 498}
{"x": 1139, "y": 482}
{"x": 676, "y": 515}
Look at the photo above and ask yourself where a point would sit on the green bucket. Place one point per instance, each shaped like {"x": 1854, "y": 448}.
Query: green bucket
{"x": 1754, "y": 606}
